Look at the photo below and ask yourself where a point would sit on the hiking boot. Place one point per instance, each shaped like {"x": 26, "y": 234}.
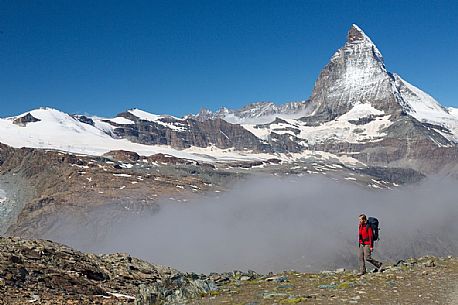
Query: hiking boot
{"x": 379, "y": 268}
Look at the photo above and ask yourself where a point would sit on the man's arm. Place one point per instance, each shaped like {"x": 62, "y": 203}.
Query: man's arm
{"x": 371, "y": 237}
{"x": 360, "y": 237}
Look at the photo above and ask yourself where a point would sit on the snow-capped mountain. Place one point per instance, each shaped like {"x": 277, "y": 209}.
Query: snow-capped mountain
{"x": 356, "y": 74}
{"x": 355, "y": 100}
{"x": 49, "y": 128}
{"x": 358, "y": 110}
{"x": 255, "y": 113}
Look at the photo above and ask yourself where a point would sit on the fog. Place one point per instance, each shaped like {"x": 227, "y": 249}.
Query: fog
{"x": 274, "y": 224}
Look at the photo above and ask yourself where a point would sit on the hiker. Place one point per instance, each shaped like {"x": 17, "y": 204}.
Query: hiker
{"x": 366, "y": 245}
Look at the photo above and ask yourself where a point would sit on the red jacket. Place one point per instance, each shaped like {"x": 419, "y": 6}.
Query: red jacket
{"x": 366, "y": 236}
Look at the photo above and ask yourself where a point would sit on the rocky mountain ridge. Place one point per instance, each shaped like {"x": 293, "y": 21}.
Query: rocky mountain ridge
{"x": 259, "y": 111}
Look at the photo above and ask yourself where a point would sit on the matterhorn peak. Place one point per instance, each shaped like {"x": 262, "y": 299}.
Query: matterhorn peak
{"x": 356, "y": 34}
{"x": 356, "y": 74}
{"x": 358, "y": 41}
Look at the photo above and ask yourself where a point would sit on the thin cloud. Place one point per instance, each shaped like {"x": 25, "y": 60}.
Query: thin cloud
{"x": 275, "y": 224}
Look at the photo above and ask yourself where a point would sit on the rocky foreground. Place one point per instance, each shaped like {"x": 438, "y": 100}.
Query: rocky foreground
{"x": 427, "y": 280}
{"x": 44, "y": 272}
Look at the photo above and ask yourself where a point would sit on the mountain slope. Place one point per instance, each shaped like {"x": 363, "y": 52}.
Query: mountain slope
{"x": 426, "y": 109}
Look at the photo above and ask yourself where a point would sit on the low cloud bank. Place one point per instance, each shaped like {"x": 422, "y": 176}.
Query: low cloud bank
{"x": 275, "y": 224}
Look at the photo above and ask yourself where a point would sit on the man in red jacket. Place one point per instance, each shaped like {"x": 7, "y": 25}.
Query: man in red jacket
{"x": 366, "y": 245}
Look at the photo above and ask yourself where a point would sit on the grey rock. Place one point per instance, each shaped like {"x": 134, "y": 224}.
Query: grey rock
{"x": 327, "y": 286}
{"x": 24, "y": 120}
{"x": 270, "y": 295}
{"x": 277, "y": 279}
{"x": 84, "y": 119}
{"x": 340, "y": 270}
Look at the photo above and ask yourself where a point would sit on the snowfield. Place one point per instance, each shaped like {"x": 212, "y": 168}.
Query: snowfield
{"x": 146, "y": 116}
{"x": 59, "y": 131}
{"x": 339, "y": 129}
{"x": 426, "y": 109}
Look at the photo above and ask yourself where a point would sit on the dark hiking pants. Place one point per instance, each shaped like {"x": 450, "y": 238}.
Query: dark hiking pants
{"x": 364, "y": 253}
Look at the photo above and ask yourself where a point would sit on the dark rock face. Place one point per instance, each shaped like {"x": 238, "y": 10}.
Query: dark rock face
{"x": 224, "y": 135}
{"x": 190, "y": 133}
{"x": 132, "y": 157}
{"x": 363, "y": 121}
{"x": 203, "y": 133}
{"x": 122, "y": 155}
{"x": 285, "y": 143}
{"x": 166, "y": 159}
{"x": 24, "y": 120}
{"x": 84, "y": 119}
{"x": 355, "y": 35}
{"x": 396, "y": 175}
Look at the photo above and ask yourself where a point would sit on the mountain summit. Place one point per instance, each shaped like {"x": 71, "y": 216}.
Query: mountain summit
{"x": 355, "y": 34}
{"x": 355, "y": 74}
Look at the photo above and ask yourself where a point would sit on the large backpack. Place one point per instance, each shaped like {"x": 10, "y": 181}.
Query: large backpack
{"x": 372, "y": 222}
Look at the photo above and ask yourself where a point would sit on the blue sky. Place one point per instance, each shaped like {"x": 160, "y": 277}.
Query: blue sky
{"x": 103, "y": 57}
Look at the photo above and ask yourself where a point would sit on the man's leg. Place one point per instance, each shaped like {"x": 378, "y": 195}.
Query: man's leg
{"x": 362, "y": 263}
{"x": 367, "y": 254}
